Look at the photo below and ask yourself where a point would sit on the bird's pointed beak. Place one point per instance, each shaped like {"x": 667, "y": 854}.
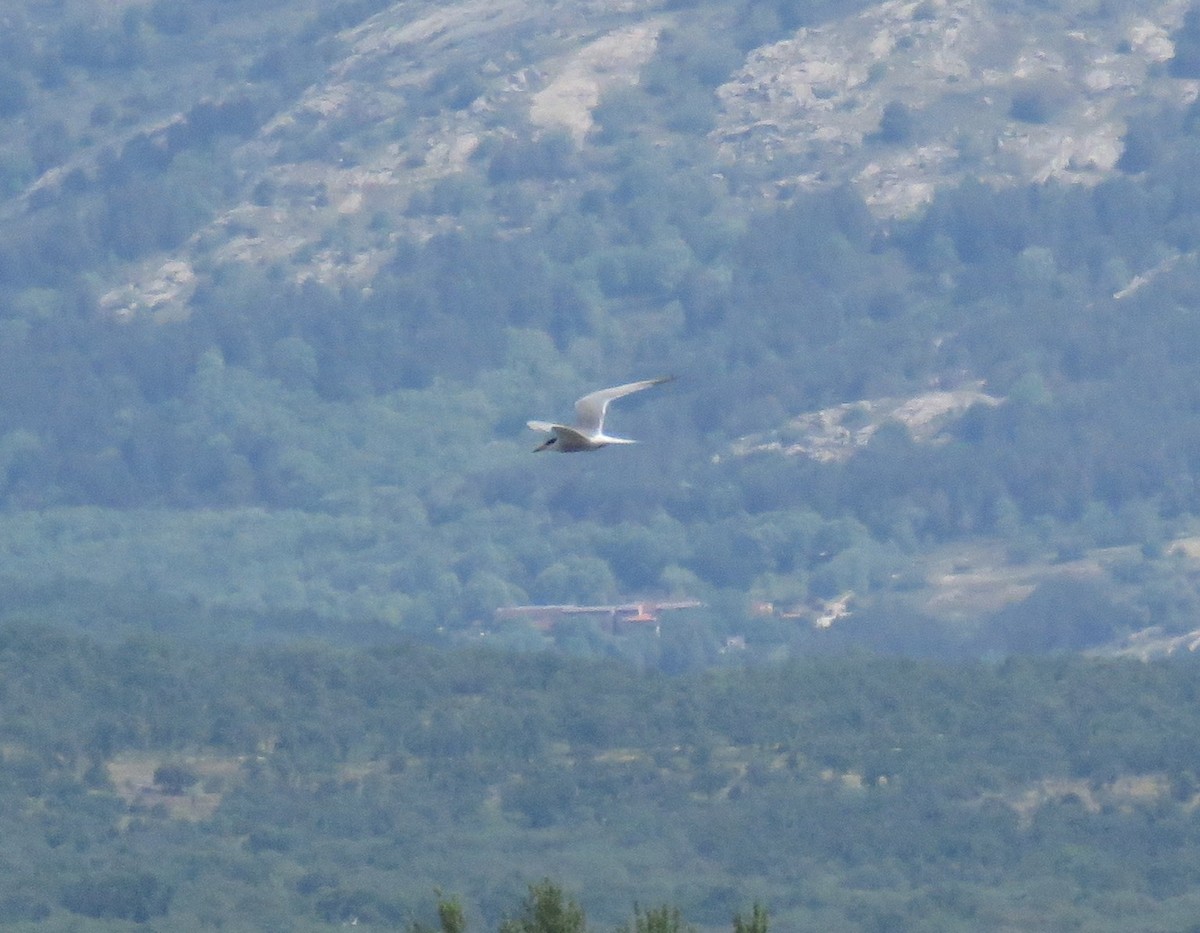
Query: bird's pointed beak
{"x": 544, "y": 445}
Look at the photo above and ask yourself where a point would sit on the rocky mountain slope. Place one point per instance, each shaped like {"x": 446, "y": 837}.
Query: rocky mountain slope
{"x": 275, "y": 176}
{"x": 1003, "y": 92}
{"x": 897, "y": 98}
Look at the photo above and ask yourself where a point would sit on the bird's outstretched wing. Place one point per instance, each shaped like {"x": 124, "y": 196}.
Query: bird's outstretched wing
{"x": 542, "y": 426}
{"x": 589, "y": 410}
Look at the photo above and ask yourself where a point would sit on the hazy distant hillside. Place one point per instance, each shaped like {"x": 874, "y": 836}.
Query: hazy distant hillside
{"x": 280, "y": 286}
{"x": 904, "y": 98}
{"x": 349, "y": 127}
{"x": 305, "y": 787}
{"x": 281, "y": 283}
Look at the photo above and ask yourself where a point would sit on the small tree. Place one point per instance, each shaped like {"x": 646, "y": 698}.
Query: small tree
{"x": 757, "y": 922}
{"x": 657, "y": 920}
{"x": 547, "y": 909}
{"x": 174, "y": 779}
{"x": 450, "y": 915}
{"x": 450, "y": 912}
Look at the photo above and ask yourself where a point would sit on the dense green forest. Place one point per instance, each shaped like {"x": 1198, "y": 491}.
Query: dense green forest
{"x": 294, "y": 786}
{"x": 359, "y": 454}
{"x": 252, "y": 542}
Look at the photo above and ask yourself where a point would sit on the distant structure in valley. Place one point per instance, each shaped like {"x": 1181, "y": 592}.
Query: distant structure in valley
{"x": 614, "y": 617}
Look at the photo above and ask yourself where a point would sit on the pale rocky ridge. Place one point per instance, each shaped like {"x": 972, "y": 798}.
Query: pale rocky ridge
{"x": 836, "y": 433}
{"x": 802, "y": 112}
{"x": 811, "y": 103}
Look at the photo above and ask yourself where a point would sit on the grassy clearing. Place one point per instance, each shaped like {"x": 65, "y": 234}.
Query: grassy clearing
{"x": 132, "y": 777}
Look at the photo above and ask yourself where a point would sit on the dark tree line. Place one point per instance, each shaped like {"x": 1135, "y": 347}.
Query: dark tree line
{"x": 295, "y": 785}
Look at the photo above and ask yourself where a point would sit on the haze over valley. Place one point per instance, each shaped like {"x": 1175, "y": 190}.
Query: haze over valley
{"x": 888, "y": 619}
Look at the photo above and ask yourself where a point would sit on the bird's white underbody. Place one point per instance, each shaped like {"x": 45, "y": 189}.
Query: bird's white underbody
{"x": 588, "y": 431}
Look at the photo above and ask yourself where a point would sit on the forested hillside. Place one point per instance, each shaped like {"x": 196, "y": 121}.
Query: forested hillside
{"x": 281, "y": 284}
{"x": 297, "y": 787}
{"x": 193, "y": 411}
